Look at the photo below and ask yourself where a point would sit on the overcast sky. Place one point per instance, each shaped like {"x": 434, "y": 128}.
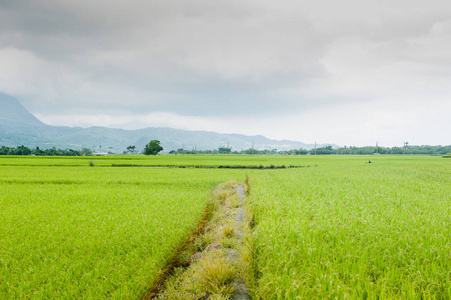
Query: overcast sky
{"x": 343, "y": 72}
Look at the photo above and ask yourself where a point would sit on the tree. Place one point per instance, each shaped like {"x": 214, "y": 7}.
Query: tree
{"x": 300, "y": 152}
{"x": 23, "y": 150}
{"x": 86, "y": 151}
{"x": 322, "y": 151}
{"x": 131, "y": 149}
{"x": 152, "y": 148}
{"x": 225, "y": 150}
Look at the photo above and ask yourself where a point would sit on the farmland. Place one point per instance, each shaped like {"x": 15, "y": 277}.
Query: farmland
{"x": 91, "y": 232}
{"x": 354, "y": 230}
{"x": 337, "y": 227}
{"x": 146, "y": 161}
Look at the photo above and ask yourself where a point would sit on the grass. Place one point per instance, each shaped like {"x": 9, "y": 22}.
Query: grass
{"x": 215, "y": 265}
{"x": 193, "y": 161}
{"x": 228, "y": 231}
{"x": 216, "y": 275}
{"x": 212, "y": 276}
{"x": 354, "y": 230}
{"x": 341, "y": 229}
{"x": 81, "y": 232}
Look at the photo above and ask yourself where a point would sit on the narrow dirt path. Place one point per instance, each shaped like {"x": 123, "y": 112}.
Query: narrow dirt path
{"x": 241, "y": 292}
{"x": 215, "y": 260}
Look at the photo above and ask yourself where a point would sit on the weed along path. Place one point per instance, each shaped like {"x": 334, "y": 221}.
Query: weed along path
{"x": 213, "y": 264}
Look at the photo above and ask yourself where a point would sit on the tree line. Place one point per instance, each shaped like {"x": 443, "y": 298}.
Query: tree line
{"x": 153, "y": 148}
{"x": 24, "y": 150}
{"x": 410, "y": 149}
{"x": 328, "y": 150}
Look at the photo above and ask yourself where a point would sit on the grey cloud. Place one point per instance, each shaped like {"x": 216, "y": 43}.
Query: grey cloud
{"x": 208, "y": 58}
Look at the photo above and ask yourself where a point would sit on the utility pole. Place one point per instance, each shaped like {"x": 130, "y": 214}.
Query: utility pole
{"x": 252, "y": 148}
{"x": 315, "y": 148}
{"x": 377, "y": 150}
{"x": 405, "y": 147}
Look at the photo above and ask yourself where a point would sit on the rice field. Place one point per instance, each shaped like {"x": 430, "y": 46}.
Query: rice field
{"x": 160, "y": 160}
{"x": 378, "y": 230}
{"x": 340, "y": 228}
{"x": 96, "y": 233}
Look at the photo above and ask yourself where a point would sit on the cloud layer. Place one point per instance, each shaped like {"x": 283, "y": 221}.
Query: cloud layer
{"x": 344, "y": 72}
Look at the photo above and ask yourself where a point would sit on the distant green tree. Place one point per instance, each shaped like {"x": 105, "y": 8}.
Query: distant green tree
{"x": 225, "y": 150}
{"x": 300, "y": 152}
{"x": 86, "y": 151}
{"x": 131, "y": 149}
{"x": 23, "y": 150}
{"x": 322, "y": 151}
{"x": 153, "y": 148}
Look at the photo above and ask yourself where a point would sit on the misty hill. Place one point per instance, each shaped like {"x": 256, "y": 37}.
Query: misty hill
{"x": 12, "y": 112}
{"x": 19, "y": 127}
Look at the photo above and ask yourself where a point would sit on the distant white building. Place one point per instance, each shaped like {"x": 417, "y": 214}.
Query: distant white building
{"x": 100, "y": 153}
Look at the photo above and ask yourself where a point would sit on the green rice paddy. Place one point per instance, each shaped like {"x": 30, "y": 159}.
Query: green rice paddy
{"x": 354, "y": 230}
{"x": 341, "y": 228}
{"x": 94, "y": 232}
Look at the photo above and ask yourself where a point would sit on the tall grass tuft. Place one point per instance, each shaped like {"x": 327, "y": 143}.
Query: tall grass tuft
{"x": 216, "y": 275}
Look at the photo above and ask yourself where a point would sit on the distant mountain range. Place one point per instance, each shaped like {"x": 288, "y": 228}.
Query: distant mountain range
{"x": 19, "y": 127}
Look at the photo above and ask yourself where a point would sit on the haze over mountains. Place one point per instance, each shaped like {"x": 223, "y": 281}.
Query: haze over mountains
{"x": 19, "y": 127}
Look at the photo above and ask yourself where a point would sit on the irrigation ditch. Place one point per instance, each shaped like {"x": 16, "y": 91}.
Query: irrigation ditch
{"x": 215, "y": 261}
{"x": 261, "y": 167}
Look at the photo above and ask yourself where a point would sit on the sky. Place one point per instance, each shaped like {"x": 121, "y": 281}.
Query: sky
{"x": 349, "y": 72}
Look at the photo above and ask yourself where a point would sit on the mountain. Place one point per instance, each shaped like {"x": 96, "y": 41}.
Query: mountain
{"x": 12, "y": 112}
{"x": 19, "y": 127}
